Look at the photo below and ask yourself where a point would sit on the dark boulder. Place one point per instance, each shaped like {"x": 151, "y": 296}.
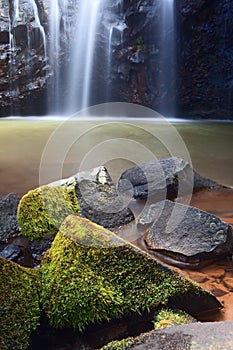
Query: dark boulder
{"x": 187, "y": 236}
{"x": 99, "y": 201}
{"x": 8, "y": 216}
{"x": 164, "y": 178}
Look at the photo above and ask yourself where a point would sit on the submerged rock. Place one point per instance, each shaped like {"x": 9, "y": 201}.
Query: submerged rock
{"x": 99, "y": 200}
{"x": 41, "y": 211}
{"x": 8, "y": 216}
{"x": 91, "y": 275}
{"x": 184, "y": 234}
{"x": 164, "y": 178}
{"x": 20, "y": 305}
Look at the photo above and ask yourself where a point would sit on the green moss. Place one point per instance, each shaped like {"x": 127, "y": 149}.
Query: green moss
{"x": 123, "y": 344}
{"x": 41, "y": 211}
{"x": 90, "y": 274}
{"x": 20, "y": 307}
{"x": 139, "y": 43}
{"x": 167, "y": 317}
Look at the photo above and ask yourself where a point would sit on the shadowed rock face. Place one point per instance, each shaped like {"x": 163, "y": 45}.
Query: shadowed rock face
{"x": 8, "y": 217}
{"x": 206, "y": 52}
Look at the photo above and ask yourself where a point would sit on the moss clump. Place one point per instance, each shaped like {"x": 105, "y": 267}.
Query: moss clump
{"x": 20, "y": 307}
{"x": 123, "y": 344}
{"x": 41, "y": 211}
{"x": 167, "y": 317}
{"x": 90, "y": 274}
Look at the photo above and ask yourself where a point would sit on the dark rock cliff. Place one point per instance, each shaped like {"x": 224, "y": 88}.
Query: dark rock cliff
{"x": 205, "y": 73}
{"x": 22, "y": 56}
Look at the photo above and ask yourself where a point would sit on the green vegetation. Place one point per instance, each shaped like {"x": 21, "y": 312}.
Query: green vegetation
{"x": 20, "y": 307}
{"x": 90, "y": 274}
{"x": 41, "y": 211}
{"x": 139, "y": 43}
{"x": 168, "y": 317}
{"x": 123, "y": 344}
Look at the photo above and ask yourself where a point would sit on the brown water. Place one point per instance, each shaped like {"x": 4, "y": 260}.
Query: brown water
{"x": 115, "y": 144}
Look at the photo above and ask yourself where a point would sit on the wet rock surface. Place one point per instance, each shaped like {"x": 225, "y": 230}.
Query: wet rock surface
{"x": 187, "y": 234}
{"x": 99, "y": 200}
{"x": 8, "y": 216}
{"x": 165, "y": 178}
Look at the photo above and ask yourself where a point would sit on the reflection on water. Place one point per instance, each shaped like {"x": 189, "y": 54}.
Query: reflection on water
{"x": 23, "y": 141}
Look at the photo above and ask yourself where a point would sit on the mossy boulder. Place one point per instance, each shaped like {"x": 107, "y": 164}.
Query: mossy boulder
{"x": 20, "y": 305}
{"x": 42, "y": 210}
{"x": 90, "y": 274}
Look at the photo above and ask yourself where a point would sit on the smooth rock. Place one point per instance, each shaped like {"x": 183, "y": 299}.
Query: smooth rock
{"x": 189, "y": 235}
{"x": 99, "y": 200}
{"x": 165, "y": 178}
{"x": 8, "y": 216}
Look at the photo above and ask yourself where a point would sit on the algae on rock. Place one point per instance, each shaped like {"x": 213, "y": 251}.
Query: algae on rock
{"x": 42, "y": 210}
{"x": 90, "y": 274}
{"x": 20, "y": 304}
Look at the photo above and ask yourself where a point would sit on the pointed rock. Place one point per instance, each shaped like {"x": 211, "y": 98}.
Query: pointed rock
{"x": 99, "y": 200}
{"x": 90, "y": 275}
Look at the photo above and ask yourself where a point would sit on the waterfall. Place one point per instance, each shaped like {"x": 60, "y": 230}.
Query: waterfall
{"x": 81, "y": 35}
{"x": 38, "y": 24}
{"x": 167, "y": 58}
{"x": 83, "y": 54}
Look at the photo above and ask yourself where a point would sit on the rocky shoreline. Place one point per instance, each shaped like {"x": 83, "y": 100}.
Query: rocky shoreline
{"x": 77, "y": 284}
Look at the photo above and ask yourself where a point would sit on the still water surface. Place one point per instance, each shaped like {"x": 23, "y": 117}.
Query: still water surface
{"x": 66, "y": 147}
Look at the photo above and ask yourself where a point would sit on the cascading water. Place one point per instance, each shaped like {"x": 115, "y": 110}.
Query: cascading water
{"x": 167, "y": 58}
{"x": 82, "y": 57}
{"x": 73, "y": 28}
{"x": 84, "y": 32}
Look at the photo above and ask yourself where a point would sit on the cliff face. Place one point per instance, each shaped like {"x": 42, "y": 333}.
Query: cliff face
{"x": 22, "y": 56}
{"x": 205, "y": 60}
{"x": 199, "y": 83}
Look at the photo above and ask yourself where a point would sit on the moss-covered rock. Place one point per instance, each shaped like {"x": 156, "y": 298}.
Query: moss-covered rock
{"x": 42, "y": 210}
{"x": 167, "y": 317}
{"x": 91, "y": 274}
{"x": 19, "y": 304}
